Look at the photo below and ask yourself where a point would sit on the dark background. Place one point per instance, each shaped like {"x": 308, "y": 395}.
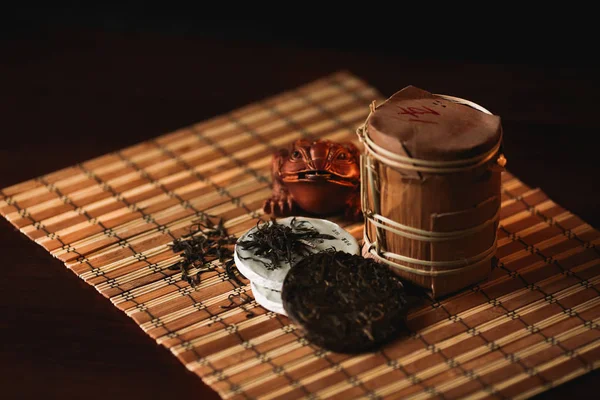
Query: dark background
{"x": 493, "y": 32}
{"x": 78, "y": 82}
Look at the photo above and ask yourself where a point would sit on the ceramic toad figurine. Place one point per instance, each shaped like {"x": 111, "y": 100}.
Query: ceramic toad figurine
{"x": 321, "y": 177}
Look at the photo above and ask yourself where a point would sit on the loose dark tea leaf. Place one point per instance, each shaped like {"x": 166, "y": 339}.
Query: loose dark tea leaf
{"x": 282, "y": 243}
{"x": 244, "y": 300}
{"x": 230, "y": 270}
{"x": 205, "y": 243}
{"x": 344, "y": 302}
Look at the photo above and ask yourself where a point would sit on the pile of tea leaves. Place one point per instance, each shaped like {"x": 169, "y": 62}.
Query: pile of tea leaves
{"x": 278, "y": 243}
{"x": 345, "y": 302}
{"x": 206, "y": 242}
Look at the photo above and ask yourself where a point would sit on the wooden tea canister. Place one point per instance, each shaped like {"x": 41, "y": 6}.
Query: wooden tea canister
{"x": 430, "y": 187}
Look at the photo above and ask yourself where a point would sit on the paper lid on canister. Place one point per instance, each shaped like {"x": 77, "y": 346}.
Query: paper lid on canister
{"x": 421, "y": 125}
{"x": 253, "y": 267}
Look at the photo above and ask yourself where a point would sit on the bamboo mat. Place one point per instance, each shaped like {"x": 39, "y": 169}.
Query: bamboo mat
{"x": 532, "y": 326}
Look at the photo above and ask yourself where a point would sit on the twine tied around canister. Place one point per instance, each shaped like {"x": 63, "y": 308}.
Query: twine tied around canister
{"x": 461, "y": 264}
{"x": 375, "y": 248}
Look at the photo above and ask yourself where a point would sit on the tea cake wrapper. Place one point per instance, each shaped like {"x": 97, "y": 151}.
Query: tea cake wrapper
{"x": 268, "y": 298}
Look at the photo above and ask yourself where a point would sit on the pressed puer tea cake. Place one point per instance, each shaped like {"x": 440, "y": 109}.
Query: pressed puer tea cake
{"x": 430, "y": 179}
{"x": 345, "y": 302}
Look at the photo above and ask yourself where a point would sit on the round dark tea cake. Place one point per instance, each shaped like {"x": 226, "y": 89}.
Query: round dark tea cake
{"x": 345, "y": 303}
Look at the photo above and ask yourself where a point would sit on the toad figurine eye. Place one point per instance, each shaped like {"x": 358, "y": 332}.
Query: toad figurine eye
{"x": 320, "y": 177}
{"x": 342, "y": 156}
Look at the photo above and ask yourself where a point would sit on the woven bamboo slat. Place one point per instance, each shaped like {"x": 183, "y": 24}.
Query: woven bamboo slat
{"x": 532, "y": 325}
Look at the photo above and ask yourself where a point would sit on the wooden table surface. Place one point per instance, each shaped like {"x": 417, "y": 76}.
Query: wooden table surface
{"x": 71, "y": 95}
